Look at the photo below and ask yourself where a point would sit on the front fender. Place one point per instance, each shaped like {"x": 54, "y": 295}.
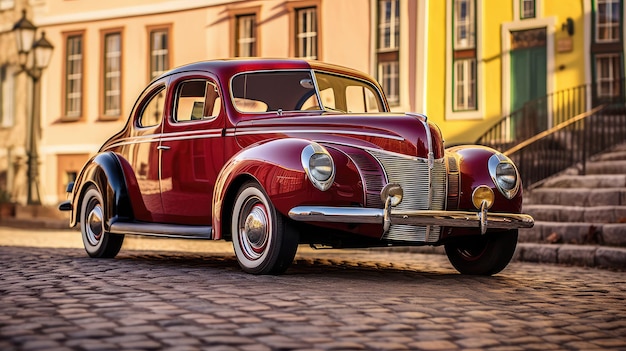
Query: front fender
{"x": 277, "y": 167}
{"x": 474, "y": 171}
{"x": 105, "y": 173}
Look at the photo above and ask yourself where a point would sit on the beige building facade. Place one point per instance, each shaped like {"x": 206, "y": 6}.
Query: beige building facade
{"x": 106, "y": 52}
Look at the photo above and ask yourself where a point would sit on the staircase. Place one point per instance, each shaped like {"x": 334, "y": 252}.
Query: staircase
{"x": 579, "y": 219}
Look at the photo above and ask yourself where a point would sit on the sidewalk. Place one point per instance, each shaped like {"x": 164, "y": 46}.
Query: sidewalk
{"x": 613, "y": 258}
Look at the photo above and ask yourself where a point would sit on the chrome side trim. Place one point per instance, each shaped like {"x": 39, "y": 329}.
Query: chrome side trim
{"x": 414, "y": 218}
{"x": 162, "y": 230}
{"x": 299, "y": 130}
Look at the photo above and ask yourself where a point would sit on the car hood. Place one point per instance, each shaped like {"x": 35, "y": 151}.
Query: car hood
{"x": 409, "y": 134}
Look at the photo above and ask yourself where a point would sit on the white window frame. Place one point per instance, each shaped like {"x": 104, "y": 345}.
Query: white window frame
{"x": 246, "y": 35}
{"x": 465, "y": 84}
{"x": 159, "y": 51}
{"x": 389, "y": 76}
{"x": 74, "y": 76}
{"x": 609, "y": 26}
{"x": 388, "y": 35}
{"x": 525, "y": 10}
{"x": 306, "y": 33}
{"x": 465, "y": 24}
{"x": 452, "y": 113}
{"x": 7, "y": 96}
{"x": 518, "y": 10}
{"x": 112, "y": 104}
{"x": 388, "y": 25}
{"x": 609, "y": 61}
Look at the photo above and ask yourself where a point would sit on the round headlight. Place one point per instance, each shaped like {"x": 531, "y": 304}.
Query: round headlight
{"x": 504, "y": 175}
{"x": 321, "y": 166}
{"x": 318, "y": 165}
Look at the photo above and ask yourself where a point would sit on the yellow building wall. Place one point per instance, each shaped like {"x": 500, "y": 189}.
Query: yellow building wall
{"x": 569, "y": 66}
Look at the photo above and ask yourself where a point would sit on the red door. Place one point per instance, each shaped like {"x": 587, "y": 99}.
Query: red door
{"x": 191, "y": 151}
{"x": 143, "y": 154}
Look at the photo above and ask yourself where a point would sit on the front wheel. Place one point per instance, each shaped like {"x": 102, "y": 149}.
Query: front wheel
{"x": 482, "y": 255}
{"x": 97, "y": 241}
{"x": 263, "y": 239}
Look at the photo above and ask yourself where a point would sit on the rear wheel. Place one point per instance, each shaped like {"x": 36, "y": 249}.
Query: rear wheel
{"x": 97, "y": 241}
{"x": 482, "y": 255}
{"x": 263, "y": 239}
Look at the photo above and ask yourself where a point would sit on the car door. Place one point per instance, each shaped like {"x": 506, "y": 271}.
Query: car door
{"x": 192, "y": 150}
{"x": 143, "y": 151}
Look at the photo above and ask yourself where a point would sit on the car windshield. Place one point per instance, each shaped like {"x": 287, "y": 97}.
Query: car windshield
{"x": 276, "y": 91}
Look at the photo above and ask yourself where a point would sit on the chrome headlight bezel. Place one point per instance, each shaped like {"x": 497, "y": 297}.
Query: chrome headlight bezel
{"x": 318, "y": 165}
{"x": 505, "y": 175}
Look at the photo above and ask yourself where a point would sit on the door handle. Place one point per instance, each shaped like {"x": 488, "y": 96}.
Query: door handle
{"x": 163, "y": 147}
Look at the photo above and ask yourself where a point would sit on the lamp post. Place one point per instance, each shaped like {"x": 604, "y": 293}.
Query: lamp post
{"x": 34, "y": 57}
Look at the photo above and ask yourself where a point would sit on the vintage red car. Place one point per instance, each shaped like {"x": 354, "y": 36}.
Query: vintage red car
{"x": 273, "y": 153}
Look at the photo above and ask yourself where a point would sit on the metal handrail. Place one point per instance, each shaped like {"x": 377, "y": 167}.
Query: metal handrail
{"x": 570, "y": 144}
{"x": 537, "y": 116}
{"x": 551, "y": 131}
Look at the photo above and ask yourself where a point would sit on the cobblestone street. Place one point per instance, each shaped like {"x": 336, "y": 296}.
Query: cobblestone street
{"x": 56, "y": 298}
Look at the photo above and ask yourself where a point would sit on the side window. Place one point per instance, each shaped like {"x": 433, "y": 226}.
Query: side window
{"x": 152, "y": 113}
{"x": 360, "y": 99}
{"x": 197, "y": 100}
{"x": 328, "y": 98}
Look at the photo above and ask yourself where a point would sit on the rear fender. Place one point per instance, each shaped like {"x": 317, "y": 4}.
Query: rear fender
{"x": 105, "y": 173}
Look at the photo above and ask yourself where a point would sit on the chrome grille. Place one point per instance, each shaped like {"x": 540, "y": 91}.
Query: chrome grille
{"x": 424, "y": 189}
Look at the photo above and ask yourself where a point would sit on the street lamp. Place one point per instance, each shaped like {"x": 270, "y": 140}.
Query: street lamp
{"x": 34, "y": 57}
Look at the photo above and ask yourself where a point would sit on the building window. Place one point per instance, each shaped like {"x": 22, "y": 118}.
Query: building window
{"x": 306, "y": 33}
{"x": 465, "y": 84}
{"x": 527, "y": 9}
{"x": 607, "y": 50}
{"x": 388, "y": 49}
{"x": 608, "y": 71}
{"x": 74, "y": 76}
{"x": 245, "y": 36}
{"x": 159, "y": 52}
{"x": 464, "y": 60}
{"x": 7, "y": 96}
{"x": 464, "y": 28}
{"x": 608, "y": 21}
{"x": 112, "y": 74}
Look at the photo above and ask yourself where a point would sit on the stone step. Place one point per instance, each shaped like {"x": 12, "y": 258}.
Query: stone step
{"x": 575, "y": 255}
{"x": 595, "y": 214}
{"x": 606, "y": 167}
{"x": 612, "y": 156}
{"x": 594, "y": 181}
{"x": 583, "y": 197}
{"x": 582, "y": 233}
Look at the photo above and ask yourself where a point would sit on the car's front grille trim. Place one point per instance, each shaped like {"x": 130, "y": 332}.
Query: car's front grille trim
{"x": 424, "y": 189}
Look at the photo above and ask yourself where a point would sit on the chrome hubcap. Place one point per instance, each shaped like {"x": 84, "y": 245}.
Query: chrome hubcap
{"x": 94, "y": 225}
{"x": 254, "y": 229}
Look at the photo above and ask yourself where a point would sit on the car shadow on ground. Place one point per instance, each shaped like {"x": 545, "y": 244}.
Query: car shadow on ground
{"x": 339, "y": 266}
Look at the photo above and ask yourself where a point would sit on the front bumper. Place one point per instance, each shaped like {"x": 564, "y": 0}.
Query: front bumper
{"x": 387, "y": 217}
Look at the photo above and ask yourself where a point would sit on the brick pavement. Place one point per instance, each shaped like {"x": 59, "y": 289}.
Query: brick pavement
{"x": 613, "y": 258}
{"x": 59, "y": 299}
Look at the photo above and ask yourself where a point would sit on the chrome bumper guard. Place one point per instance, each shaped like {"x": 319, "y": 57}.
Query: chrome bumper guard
{"x": 481, "y": 219}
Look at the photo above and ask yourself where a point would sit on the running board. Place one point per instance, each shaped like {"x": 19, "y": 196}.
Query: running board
{"x": 162, "y": 230}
